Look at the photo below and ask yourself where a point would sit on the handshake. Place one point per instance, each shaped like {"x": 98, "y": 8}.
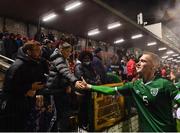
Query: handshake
{"x": 82, "y": 85}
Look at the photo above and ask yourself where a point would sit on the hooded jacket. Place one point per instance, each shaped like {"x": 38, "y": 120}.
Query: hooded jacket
{"x": 23, "y": 73}
{"x": 18, "y": 80}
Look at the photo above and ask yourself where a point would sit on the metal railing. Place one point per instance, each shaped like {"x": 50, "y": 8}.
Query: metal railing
{"x": 5, "y": 63}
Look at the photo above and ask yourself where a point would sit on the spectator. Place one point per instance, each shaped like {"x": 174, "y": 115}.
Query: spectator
{"x": 163, "y": 72}
{"x": 86, "y": 70}
{"x": 19, "y": 42}
{"x": 51, "y": 36}
{"x": 123, "y": 70}
{"x": 22, "y": 80}
{"x": 24, "y": 40}
{"x": 131, "y": 73}
{"x": 131, "y": 67}
{"x": 47, "y": 49}
{"x": 10, "y": 46}
{"x": 98, "y": 65}
{"x": 39, "y": 36}
{"x": 62, "y": 81}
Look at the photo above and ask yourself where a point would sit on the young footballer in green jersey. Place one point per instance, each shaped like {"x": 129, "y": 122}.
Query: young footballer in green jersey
{"x": 152, "y": 95}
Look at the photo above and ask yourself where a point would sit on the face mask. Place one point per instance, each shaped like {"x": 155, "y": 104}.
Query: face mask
{"x": 87, "y": 63}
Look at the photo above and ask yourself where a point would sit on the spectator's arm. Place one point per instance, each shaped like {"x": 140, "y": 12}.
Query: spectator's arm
{"x": 78, "y": 72}
{"x": 64, "y": 70}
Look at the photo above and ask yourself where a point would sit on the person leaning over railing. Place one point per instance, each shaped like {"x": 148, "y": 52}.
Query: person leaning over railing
{"x": 152, "y": 95}
{"x": 63, "y": 83}
{"x": 85, "y": 70}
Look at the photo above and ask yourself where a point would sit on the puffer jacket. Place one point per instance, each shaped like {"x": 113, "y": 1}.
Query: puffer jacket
{"x": 60, "y": 76}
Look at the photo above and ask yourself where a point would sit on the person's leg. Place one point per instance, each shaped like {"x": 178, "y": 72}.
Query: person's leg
{"x": 63, "y": 108}
{"x": 86, "y": 109}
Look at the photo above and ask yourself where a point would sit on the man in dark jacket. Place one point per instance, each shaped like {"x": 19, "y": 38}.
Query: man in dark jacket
{"x": 22, "y": 80}
{"x": 47, "y": 49}
{"x": 10, "y": 46}
{"x": 61, "y": 80}
{"x": 98, "y": 65}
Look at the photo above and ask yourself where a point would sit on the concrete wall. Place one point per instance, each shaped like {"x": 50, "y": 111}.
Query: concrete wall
{"x": 32, "y": 30}
{"x": 130, "y": 125}
{"x": 16, "y": 27}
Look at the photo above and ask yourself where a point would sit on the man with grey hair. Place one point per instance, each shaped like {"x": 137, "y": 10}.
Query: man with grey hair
{"x": 152, "y": 95}
{"x": 62, "y": 81}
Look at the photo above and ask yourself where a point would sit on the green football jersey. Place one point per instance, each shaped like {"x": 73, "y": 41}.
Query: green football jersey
{"x": 154, "y": 102}
{"x": 177, "y": 85}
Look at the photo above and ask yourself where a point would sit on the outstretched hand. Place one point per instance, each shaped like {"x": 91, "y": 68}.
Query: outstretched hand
{"x": 82, "y": 84}
{"x": 88, "y": 86}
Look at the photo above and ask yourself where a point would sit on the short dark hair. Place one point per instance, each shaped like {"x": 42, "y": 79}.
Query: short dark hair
{"x": 97, "y": 50}
{"x": 131, "y": 56}
{"x": 84, "y": 54}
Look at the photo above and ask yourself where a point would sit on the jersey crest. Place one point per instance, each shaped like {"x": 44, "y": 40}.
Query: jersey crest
{"x": 154, "y": 91}
{"x": 137, "y": 91}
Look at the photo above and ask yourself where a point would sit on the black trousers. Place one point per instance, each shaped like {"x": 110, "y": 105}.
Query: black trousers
{"x": 65, "y": 121}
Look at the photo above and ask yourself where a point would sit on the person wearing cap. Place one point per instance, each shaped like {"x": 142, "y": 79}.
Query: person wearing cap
{"x": 47, "y": 49}
{"x": 62, "y": 82}
{"x": 22, "y": 80}
{"x": 98, "y": 65}
{"x": 153, "y": 95}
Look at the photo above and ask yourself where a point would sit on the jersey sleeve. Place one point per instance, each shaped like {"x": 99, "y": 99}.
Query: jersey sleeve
{"x": 174, "y": 92}
{"x": 177, "y": 85}
{"x": 111, "y": 90}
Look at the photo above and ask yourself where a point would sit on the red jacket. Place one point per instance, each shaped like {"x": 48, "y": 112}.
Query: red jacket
{"x": 131, "y": 67}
